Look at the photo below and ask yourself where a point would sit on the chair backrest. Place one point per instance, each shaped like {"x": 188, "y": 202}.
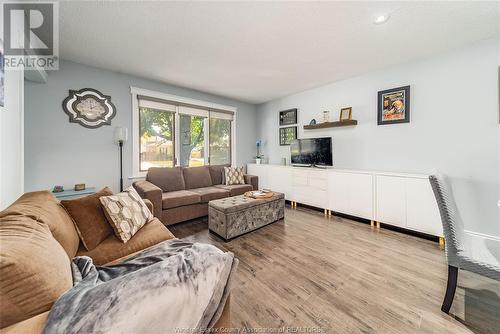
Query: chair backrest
{"x": 452, "y": 224}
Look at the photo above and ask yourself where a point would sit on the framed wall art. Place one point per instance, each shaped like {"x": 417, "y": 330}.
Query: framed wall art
{"x": 288, "y": 117}
{"x": 287, "y": 135}
{"x": 394, "y": 106}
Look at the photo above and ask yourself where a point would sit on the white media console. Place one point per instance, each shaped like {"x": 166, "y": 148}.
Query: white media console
{"x": 403, "y": 200}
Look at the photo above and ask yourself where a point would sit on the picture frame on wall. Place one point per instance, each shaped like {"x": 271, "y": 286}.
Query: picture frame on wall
{"x": 288, "y": 117}
{"x": 394, "y": 106}
{"x": 287, "y": 135}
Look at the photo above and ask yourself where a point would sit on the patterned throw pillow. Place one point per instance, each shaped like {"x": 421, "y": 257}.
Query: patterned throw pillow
{"x": 233, "y": 175}
{"x": 126, "y": 212}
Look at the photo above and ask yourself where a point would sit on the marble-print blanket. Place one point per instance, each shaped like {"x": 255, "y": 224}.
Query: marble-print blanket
{"x": 173, "y": 287}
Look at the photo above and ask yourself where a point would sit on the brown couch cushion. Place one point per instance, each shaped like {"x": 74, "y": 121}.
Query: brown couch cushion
{"x": 168, "y": 179}
{"x": 112, "y": 249}
{"x": 236, "y": 189}
{"x": 183, "y": 213}
{"x": 197, "y": 177}
{"x": 217, "y": 173}
{"x": 210, "y": 193}
{"x": 34, "y": 269}
{"x": 174, "y": 199}
{"x": 42, "y": 206}
{"x": 88, "y": 216}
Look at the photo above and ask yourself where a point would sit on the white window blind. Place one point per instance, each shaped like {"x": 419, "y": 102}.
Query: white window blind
{"x": 192, "y": 111}
{"x": 159, "y": 105}
{"x": 221, "y": 115}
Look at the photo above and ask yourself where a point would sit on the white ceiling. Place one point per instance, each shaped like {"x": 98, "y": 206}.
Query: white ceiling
{"x": 258, "y": 51}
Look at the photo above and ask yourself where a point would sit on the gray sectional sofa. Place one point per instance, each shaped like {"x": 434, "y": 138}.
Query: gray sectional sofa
{"x": 182, "y": 193}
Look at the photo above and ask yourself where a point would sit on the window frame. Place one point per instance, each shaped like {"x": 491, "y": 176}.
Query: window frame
{"x": 179, "y": 100}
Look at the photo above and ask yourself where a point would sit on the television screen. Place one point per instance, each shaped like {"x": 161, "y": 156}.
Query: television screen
{"x": 312, "y": 151}
{"x": 323, "y": 152}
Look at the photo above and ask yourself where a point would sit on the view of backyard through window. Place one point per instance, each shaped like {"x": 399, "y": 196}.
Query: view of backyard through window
{"x": 220, "y": 141}
{"x": 157, "y": 138}
{"x": 157, "y": 143}
{"x": 192, "y": 139}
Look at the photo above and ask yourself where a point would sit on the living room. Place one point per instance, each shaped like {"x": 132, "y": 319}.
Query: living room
{"x": 274, "y": 166}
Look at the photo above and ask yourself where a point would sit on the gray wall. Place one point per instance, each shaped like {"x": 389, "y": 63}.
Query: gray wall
{"x": 454, "y": 126}
{"x": 63, "y": 153}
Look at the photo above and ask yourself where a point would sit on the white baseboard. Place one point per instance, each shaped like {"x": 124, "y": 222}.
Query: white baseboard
{"x": 482, "y": 235}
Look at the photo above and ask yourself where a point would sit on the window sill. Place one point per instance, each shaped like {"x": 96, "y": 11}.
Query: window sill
{"x": 137, "y": 177}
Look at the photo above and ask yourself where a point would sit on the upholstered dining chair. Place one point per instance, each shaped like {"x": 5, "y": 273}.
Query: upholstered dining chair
{"x": 463, "y": 251}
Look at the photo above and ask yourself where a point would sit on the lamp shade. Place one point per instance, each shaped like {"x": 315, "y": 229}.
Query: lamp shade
{"x": 121, "y": 134}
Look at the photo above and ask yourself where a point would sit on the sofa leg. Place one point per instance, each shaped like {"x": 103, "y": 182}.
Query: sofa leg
{"x": 450, "y": 289}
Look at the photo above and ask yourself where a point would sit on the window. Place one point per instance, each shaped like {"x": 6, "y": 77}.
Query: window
{"x": 157, "y": 138}
{"x": 220, "y": 141}
{"x": 176, "y": 131}
{"x": 192, "y": 145}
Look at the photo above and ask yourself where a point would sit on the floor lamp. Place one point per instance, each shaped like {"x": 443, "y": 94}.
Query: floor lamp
{"x": 121, "y": 137}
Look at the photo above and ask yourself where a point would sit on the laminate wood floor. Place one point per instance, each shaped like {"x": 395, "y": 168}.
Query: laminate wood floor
{"x": 333, "y": 275}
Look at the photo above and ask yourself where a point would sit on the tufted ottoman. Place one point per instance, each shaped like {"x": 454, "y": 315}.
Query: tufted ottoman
{"x": 233, "y": 216}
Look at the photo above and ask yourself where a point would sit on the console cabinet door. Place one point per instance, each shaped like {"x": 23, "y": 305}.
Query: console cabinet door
{"x": 351, "y": 193}
{"x": 361, "y": 195}
{"x": 338, "y": 192}
{"x": 280, "y": 179}
{"x": 261, "y": 171}
{"x": 391, "y": 200}
{"x": 422, "y": 213}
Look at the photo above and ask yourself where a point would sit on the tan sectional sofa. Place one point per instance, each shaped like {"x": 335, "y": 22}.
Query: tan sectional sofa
{"x": 38, "y": 240}
{"x": 182, "y": 193}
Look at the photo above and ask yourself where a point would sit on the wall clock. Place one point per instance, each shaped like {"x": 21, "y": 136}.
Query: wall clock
{"x": 89, "y": 108}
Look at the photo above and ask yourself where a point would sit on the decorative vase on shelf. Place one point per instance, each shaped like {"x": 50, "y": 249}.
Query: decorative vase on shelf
{"x": 258, "y": 160}
{"x": 326, "y": 116}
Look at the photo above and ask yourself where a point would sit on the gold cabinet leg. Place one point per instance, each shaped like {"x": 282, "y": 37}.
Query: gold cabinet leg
{"x": 372, "y": 223}
{"x": 441, "y": 242}
{"x": 325, "y": 211}
{"x": 329, "y": 212}
{"x": 378, "y": 224}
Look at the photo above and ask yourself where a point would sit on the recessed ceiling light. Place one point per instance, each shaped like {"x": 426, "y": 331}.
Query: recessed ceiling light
{"x": 381, "y": 19}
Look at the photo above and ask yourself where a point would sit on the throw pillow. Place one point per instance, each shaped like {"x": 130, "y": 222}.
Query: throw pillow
{"x": 89, "y": 218}
{"x": 126, "y": 213}
{"x": 234, "y": 175}
{"x": 34, "y": 269}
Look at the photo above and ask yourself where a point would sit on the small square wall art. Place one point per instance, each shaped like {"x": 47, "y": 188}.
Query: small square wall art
{"x": 287, "y": 135}
{"x": 394, "y": 106}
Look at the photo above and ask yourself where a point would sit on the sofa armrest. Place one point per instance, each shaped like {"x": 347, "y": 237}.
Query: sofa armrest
{"x": 32, "y": 325}
{"x": 149, "y": 191}
{"x": 149, "y": 204}
{"x": 253, "y": 180}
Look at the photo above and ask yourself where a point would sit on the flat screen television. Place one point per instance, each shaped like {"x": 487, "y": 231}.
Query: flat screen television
{"x": 312, "y": 151}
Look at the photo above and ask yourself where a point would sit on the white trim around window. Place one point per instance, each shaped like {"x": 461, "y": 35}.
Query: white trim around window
{"x": 217, "y": 108}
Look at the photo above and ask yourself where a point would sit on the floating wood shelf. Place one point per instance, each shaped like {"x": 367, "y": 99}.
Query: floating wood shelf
{"x": 330, "y": 124}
